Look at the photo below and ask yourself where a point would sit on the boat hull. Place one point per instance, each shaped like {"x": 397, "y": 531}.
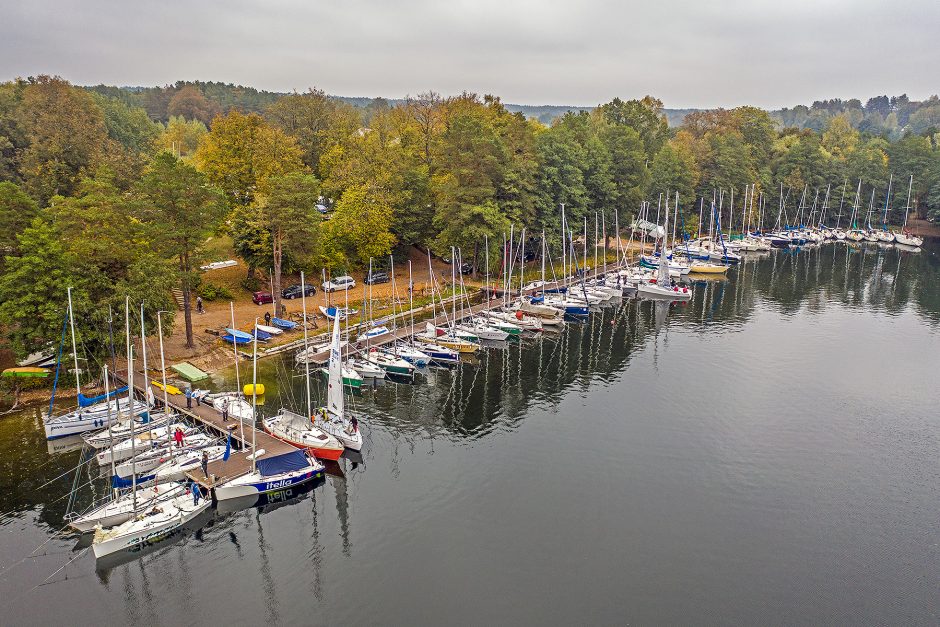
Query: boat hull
{"x": 254, "y": 484}
{"x": 109, "y": 543}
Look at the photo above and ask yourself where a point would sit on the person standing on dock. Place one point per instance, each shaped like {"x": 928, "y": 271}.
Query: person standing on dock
{"x": 205, "y": 464}
{"x": 225, "y": 413}
{"x": 189, "y": 398}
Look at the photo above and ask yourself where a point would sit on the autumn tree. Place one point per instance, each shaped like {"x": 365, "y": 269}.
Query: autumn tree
{"x": 315, "y": 120}
{"x": 189, "y": 103}
{"x": 242, "y": 153}
{"x": 67, "y": 135}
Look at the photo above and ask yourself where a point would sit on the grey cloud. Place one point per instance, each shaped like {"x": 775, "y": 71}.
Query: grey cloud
{"x": 689, "y": 54}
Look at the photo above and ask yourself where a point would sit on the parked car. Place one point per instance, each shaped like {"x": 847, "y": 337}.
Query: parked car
{"x": 294, "y": 291}
{"x": 339, "y": 283}
{"x": 466, "y": 268}
{"x": 377, "y": 276}
{"x": 262, "y": 298}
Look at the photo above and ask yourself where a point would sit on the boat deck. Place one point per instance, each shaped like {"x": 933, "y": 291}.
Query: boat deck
{"x": 206, "y": 415}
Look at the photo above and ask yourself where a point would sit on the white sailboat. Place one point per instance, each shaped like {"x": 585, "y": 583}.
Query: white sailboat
{"x": 663, "y": 287}
{"x": 163, "y": 518}
{"x": 904, "y": 236}
{"x": 274, "y": 473}
{"x": 333, "y": 417}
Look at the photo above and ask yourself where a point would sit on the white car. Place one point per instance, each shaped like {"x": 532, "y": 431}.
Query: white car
{"x": 339, "y": 283}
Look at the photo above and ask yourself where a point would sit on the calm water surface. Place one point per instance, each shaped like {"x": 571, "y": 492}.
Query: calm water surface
{"x": 768, "y": 453}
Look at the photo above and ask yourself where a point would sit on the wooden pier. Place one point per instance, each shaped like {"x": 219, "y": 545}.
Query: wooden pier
{"x": 206, "y": 415}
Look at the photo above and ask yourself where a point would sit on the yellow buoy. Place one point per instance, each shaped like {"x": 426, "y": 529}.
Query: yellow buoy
{"x": 250, "y": 389}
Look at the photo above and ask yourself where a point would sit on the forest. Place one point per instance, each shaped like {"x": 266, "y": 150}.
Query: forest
{"x": 115, "y": 191}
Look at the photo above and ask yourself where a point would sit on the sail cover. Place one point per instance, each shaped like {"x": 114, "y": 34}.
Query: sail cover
{"x": 662, "y": 274}
{"x": 334, "y": 395}
{"x": 85, "y": 401}
{"x": 295, "y": 460}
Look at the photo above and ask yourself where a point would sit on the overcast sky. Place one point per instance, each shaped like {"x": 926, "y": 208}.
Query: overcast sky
{"x": 689, "y": 53}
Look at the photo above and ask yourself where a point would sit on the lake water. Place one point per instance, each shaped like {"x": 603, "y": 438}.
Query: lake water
{"x": 768, "y": 453}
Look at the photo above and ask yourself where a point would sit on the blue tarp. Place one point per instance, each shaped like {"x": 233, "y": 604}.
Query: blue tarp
{"x": 117, "y": 482}
{"x": 295, "y": 460}
{"x": 284, "y": 324}
{"x": 85, "y": 401}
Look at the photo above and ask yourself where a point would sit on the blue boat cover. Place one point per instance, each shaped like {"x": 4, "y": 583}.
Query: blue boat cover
{"x": 239, "y": 334}
{"x": 238, "y": 340}
{"x": 295, "y": 460}
{"x": 85, "y": 401}
{"x": 284, "y": 324}
{"x": 262, "y": 335}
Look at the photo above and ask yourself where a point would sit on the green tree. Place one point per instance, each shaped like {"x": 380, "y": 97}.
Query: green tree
{"x": 644, "y": 116}
{"x": 361, "y": 224}
{"x": 182, "y": 209}
{"x": 291, "y": 216}
{"x": 17, "y": 211}
{"x": 181, "y": 137}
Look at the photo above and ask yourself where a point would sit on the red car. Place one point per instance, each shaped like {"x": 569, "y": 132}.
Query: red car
{"x": 262, "y": 298}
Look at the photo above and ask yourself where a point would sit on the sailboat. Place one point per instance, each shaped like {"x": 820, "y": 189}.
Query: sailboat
{"x": 298, "y": 430}
{"x": 662, "y": 287}
{"x": 162, "y": 519}
{"x": 92, "y": 413}
{"x": 272, "y": 473}
{"x": 904, "y": 236}
{"x": 333, "y": 419}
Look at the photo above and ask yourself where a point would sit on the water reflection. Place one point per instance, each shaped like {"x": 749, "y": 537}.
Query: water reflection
{"x": 459, "y": 409}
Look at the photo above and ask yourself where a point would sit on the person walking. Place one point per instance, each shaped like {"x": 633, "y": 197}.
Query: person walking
{"x": 196, "y": 493}
{"x": 199, "y": 308}
{"x": 189, "y": 398}
{"x": 205, "y": 464}
{"x": 267, "y": 318}
{"x": 198, "y": 398}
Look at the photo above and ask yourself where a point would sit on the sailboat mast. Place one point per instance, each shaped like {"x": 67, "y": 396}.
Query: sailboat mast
{"x": 166, "y": 401}
{"x": 130, "y": 395}
{"x": 78, "y": 384}
{"x": 303, "y": 306}
{"x": 143, "y": 348}
{"x": 564, "y": 268}
{"x": 486, "y": 264}
{"x": 453, "y": 285}
{"x": 841, "y": 202}
{"x": 521, "y": 262}
{"x": 884, "y": 222}
{"x": 238, "y": 381}
{"x": 411, "y": 299}
{"x": 907, "y": 207}
{"x": 107, "y": 394}
{"x": 254, "y": 399}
